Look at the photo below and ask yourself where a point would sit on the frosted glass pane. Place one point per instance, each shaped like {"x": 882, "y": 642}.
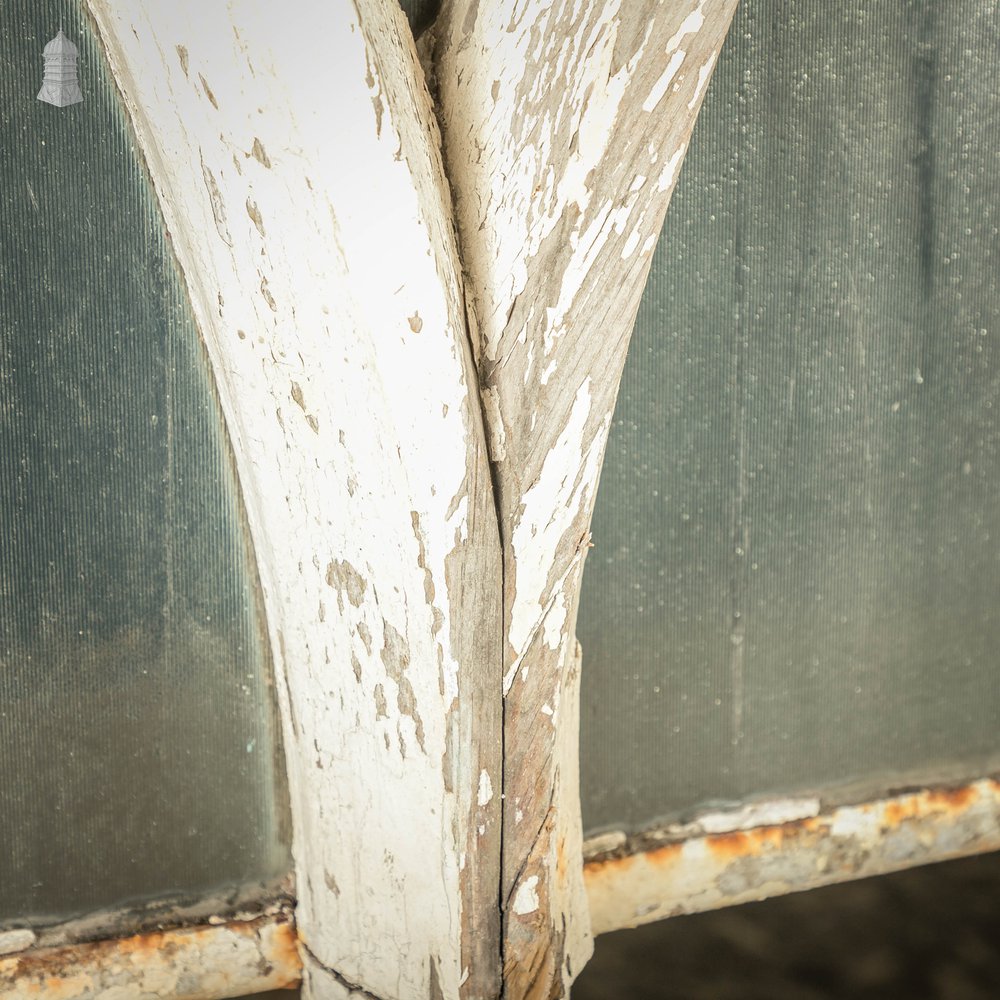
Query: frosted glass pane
{"x": 794, "y": 585}
{"x": 137, "y": 745}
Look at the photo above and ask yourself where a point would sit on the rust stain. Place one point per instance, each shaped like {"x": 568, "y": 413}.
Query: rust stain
{"x": 958, "y": 799}
{"x": 844, "y": 842}
{"x": 892, "y": 813}
{"x": 285, "y": 943}
{"x": 732, "y": 845}
{"x": 71, "y": 972}
{"x": 667, "y": 855}
{"x": 660, "y": 857}
{"x": 145, "y": 944}
{"x": 752, "y": 843}
{"x": 898, "y": 812}
{"x": 932, "y": 801}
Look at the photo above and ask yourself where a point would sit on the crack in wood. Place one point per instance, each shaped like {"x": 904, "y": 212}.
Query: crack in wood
{"x": 355, "y": 989}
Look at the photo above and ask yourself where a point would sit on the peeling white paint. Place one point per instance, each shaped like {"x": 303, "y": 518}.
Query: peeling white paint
{"x": 631, "y": 243}
{"x": 549, "y": 508}
{"x": 704, "y": 75}
{"x": 587, "y": 247}
{"x": 526, "y": 899}
{"x": 485, "y": 788}
{"x": 356, "y": 326}
{"x": 669, "y": 173}
{"x": 766, "y": 813}
{"x": 855, "y": 823}
{"x": 549, "y": 153}
{"x": 16, "y": 940}
{"x": 691, "y": 24}
{"x": 357, "y": 302}
{"x": 659, "y": 88}
{"x": 555, "y": 622}
{"x": 200, "y": 962}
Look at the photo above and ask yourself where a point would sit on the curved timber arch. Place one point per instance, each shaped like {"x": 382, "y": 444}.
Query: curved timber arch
{"x": 419, "y": 422}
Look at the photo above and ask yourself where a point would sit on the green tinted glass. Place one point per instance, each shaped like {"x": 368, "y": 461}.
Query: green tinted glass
{"x": 137, "y": 745}
{"x": 794, "y": 584}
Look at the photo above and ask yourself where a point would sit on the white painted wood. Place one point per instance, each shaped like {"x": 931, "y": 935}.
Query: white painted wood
{"x": 295, "y": 156}
{"x": 565, "y": 124}
{"x": 293, "y": 153}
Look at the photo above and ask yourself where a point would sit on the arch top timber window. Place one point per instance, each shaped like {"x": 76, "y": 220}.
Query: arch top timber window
{"x": 415, "y": 296}
{"x": 137, "y": 744}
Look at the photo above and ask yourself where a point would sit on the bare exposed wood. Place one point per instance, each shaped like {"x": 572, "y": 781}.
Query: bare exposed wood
{"x": 565, "y": 125}
{"x": 194, "y": 963}
{"x": 667, "y": 872}
{"x": 294, "y": 156}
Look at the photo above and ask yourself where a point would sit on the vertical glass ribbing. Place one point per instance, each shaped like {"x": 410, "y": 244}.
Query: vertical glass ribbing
{"x": 797, "y": 539}
{"x": 137, "y": 744}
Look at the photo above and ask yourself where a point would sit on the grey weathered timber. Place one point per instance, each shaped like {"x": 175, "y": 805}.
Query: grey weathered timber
{"x": 564, "y": 125}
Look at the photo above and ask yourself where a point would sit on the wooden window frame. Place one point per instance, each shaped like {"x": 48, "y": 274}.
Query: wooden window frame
{"x": 416, "y": 275}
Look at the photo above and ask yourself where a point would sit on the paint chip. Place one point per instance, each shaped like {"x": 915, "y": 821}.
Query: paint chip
{"x": 208, "y": 92}
{"x": 259, "y": 154}
{"x": 16, "y": 940}
{"x": 485, "y": 788}
{"x": 254, "y": 212}
{"x": 526, "y": 898}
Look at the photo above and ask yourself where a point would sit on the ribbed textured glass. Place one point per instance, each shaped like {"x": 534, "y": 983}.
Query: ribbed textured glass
{"x": 137, "y": 744}
{"x": 795, "y": 581}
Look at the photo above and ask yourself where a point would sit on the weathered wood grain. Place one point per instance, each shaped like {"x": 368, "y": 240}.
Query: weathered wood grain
{"x": 565, "y": 125}
{"x": 294, "y": 155}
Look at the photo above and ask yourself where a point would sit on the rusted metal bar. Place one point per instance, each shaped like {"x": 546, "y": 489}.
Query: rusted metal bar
{"x": 206, "y": 962}
{"x": 665, "y": 873}
{"x": 653, "y": 876}
{"x": 657, "y": 874}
